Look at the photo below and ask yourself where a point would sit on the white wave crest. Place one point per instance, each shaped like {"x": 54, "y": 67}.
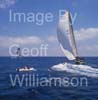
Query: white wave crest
{"x": 76, "y": 69}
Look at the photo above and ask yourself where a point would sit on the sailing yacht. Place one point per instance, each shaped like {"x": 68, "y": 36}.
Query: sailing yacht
{"x": 66, "y": 38}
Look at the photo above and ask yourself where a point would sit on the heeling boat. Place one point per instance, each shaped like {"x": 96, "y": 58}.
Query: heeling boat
{"x": 66, "y": 38}
{"x": 67, "y": 42}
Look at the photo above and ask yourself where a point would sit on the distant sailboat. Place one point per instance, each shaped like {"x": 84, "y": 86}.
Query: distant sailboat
{"x": 18, "y": 52}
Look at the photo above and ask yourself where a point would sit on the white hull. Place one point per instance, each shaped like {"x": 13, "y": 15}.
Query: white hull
{"x": 22, "y": 69}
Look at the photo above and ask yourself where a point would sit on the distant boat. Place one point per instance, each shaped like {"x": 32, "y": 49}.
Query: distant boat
{"x": 25, "y": 68}
{"x": 18, "y": 52}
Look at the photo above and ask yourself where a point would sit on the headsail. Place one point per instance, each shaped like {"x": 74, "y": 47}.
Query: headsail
{"x": 66, "y": 36}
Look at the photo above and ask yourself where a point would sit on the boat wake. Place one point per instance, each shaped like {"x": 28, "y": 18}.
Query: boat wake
{"x": 76, "y": 69}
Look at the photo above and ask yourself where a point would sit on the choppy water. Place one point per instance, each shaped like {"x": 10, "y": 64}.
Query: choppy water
{"x": 42, "y": 64}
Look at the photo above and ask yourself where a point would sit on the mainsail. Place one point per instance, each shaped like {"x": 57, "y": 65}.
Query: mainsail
{"x": 66, "y": 36}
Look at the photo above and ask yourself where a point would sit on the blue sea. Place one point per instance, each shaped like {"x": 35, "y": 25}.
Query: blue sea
{"x": 8, "y": 91}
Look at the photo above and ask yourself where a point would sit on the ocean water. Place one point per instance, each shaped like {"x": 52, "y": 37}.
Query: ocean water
{"x": 87, "y": 91}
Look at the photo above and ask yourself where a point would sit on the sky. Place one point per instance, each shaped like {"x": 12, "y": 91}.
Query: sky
{"x": 32, "y": 35}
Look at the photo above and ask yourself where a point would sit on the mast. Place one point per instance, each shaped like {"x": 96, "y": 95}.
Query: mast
{"x": 72, "y": 37}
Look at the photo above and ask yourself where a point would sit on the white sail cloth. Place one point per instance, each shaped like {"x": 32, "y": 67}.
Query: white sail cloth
{"x": 66, "y": 36}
